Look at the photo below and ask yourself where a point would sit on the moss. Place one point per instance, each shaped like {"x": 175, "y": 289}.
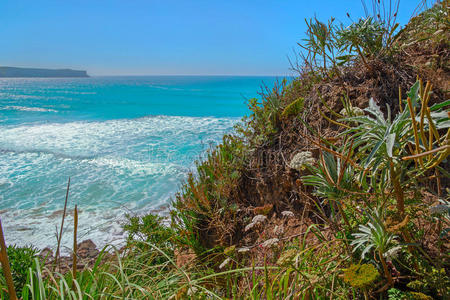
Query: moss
{"x": 361, "y": 276}
{"x": 420, "y": 296}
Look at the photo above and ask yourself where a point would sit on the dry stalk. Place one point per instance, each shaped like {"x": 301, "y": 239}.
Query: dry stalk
{"x": 62, "y": 225}
{"x": 74, "y": 257}
{"x": 6, "y": 267}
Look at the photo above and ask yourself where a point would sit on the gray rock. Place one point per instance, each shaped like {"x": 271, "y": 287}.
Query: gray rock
{"x": 87, "y": 249}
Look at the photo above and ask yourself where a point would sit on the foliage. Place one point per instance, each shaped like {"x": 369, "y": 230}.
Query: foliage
{"x": 294, "y": 108}
{"x": 20, "y": 259}
{"x": 332, "y": 179}
{"x": 433, "y": 279}
{"x": 265, "y": 116}
{"x": 149, "y": 229}
{"x": 382, "y": 148}
{"x": 361, "y": 276}
{"x": 395, "y": 294}
{"x": 367, "y": 38}
{"x": 203, "y": 199}
{"x": 380, "y": 141}
{"x": 310, "y": 272}
{"x": 442, "y": 213}
{"x": 320, "y": 44}
{"x": 127, "y": 277}
{"x": 373, "y": 236}
{"x": 431, "y": 27}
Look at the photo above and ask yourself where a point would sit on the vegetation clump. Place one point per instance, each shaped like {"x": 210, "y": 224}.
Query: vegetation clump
{"x": 361, "y": 276}
{"x": 20, "y": 259}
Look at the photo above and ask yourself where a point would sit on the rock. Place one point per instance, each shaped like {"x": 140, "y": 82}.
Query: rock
{"x": 87, "y": 249}
{"x": 46, "y": 253}
{"x": 87, "y": 254}
{"x": 79, "y": 266}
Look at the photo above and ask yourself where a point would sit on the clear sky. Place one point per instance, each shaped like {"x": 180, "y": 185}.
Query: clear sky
{"x": 137, "y": 37}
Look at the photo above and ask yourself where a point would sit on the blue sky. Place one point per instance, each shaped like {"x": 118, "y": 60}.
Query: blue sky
{"x": 137, "y": 37}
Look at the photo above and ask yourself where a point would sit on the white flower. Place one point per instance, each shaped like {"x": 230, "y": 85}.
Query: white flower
{"x": 259, "y": 219}
{"x": 270, "y": 242}
{"x": 249, "y": 226}
{"x": 287, "y": 214}
{"x": 243, "y": 250}
{"x": 224, "y": 263}
{"x": 301, "y": 159}
{"x": 392, "y": 253}
{"x": 354, "y": 111}
{"x": 256, "y": 220}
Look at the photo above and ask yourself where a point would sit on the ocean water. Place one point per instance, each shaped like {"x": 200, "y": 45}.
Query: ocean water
{"x": 127, "y": 143}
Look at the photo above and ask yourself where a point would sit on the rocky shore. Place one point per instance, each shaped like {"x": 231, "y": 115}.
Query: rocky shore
{"x": 87, "y": 254}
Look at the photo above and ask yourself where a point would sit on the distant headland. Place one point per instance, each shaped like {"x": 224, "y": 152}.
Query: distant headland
{"x": 34, "y": 72}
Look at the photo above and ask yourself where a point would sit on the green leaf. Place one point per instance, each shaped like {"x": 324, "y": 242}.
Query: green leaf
{"x": 440, "y": 105}
{"x": 413, "y": 93}
{"x": 372, "y": 153}
{"x": 443, "y": 123}
{"x": 344, "y": 57}
{"x": 390, "y": 141}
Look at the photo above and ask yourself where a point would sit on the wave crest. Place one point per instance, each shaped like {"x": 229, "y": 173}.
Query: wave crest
{"x": 26, "y": 108}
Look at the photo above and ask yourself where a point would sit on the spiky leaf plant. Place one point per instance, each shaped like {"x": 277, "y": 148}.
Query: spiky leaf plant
{"x": 333, "y": 179}
{"x": 374, "y": 236}
{"x": 384, "y": 144}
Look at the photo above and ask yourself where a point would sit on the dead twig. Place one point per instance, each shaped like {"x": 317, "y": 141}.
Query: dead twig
{"x": 62, "y": 225}
{"x": 74, "y": 255}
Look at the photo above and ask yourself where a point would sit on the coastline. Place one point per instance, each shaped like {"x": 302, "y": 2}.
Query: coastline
{"x": 116, "y": 152}
{"x": 115, "y": 236}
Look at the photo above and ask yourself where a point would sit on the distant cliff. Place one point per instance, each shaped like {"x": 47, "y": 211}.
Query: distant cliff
{"x": 33, "y": 72}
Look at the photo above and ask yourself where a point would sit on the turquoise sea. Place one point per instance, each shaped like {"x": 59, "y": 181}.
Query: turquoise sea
{"x": 127, "y": 144}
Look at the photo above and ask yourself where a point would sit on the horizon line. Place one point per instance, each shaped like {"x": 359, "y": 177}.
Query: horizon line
{"x": 221, "y": 75}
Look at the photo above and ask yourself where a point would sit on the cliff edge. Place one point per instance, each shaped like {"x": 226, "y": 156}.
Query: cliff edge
{"x": 34, "y": 72}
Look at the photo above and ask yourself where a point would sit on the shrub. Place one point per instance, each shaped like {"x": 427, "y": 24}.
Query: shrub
{"x": 148, "y": 229}
{"x": 374, "y": 236}
{"x": 365, "y": 37}
{"x": 321, "y": 44}
{"x": 20, "y": 259}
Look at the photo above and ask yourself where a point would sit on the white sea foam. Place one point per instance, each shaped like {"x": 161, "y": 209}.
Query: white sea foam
{"x": 25, "y": 108}
{"x": 116, "y": 167}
